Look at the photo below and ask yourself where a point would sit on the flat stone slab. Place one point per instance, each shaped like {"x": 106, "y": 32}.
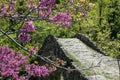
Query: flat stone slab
{"x": 93, "y": 64}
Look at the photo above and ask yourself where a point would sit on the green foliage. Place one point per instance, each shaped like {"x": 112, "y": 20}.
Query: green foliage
{"x": 89, "y": 26}
{"x": 101, "y": 34}
{"x": 114, "y": 18}
{"x": 98, "y": 26}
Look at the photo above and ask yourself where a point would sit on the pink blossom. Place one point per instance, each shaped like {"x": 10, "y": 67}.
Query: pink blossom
{"x": 45, "y": 13}
{"x": 22, "y": 78}
{"x": 28, "y": 27}
{"x": 24, "y": 38}
{"x": 62, "y": 18}
{"x": 45, "y": 4}
{"x": 33, "y": 50}
{"x": 31, "y": 6}
{"x": 35, "y": 70}
{"x": 5, "y": 10}
{"x": 10, "y": 62}
{"x": 71, "y": 1}
{"x": 85, "y": 14}
{"x": 11, "y": 5}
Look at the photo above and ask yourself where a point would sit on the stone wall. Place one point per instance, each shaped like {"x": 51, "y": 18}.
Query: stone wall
{"x": 88, "y": 42}
{"x": 81, "y": 54}
{"x": 52, "y": 47}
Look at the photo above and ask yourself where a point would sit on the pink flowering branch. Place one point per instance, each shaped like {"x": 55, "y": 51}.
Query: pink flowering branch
{"x": 47, "y": 60}
{"x": 44, "y": 12}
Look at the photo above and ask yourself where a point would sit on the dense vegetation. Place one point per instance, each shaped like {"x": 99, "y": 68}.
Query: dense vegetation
{"x": 103, "y": 26}
{"x": 98, "y": 19}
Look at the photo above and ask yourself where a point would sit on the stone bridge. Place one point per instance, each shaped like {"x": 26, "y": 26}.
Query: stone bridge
{"x": 81, "y": 54}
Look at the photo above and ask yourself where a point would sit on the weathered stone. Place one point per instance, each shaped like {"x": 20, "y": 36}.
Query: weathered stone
{"x": 88, "y": 42}
{"x": 96, "y": 77}
{"x": 89, "y": 59}
{"x": 82, "y": 55}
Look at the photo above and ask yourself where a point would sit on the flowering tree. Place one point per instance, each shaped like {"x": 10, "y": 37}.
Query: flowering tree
{"x": 20, "y": 15}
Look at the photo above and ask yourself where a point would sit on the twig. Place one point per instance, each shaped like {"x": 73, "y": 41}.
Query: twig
{"x": 44, "y": 58}
{"x": 1, "y": 35}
